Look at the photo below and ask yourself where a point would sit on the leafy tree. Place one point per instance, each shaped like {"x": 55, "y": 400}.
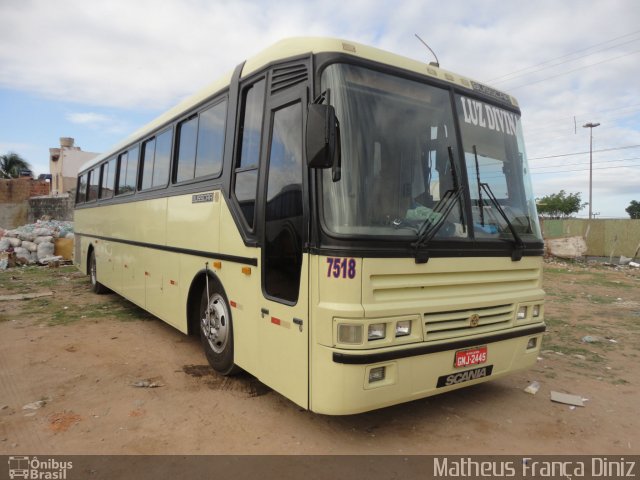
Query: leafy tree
{"x": 560, "y": 205}
{"x": 11, "y": 164}
{"x": 633, "y": 209}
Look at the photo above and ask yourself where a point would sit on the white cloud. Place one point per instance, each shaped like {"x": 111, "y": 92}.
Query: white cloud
{"x": 145, "y": 54}
{"x": 89, "y": 118}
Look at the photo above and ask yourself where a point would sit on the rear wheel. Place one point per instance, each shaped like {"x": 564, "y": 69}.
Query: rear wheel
{"x": 216, "y": 330}
{"x": 96, "y": 286}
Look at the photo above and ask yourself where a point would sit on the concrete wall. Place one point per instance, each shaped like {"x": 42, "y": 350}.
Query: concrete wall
{"x": 13, "y": 215}
{"x": 14, "y": 196}
{"x": 604, "y": 237}
{"x": 58, "y": 208}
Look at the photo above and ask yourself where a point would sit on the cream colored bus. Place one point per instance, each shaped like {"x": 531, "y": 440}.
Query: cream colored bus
{"x": 354, "y": 228}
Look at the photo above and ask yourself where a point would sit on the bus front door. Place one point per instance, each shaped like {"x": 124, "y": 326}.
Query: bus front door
{"x": 284, "y": 328}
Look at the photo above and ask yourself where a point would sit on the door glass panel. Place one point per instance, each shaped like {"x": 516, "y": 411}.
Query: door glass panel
{"x": 249, "y": 155}
{"x": 246, "y": 185}
{"x": 283, "y": 210}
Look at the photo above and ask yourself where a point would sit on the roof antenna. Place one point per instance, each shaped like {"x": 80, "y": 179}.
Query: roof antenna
{"x": 437, "y": 62}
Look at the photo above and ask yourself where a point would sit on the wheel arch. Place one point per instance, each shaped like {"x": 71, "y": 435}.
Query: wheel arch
{"x": 90, "y": 250}
{"x": 198, "y": 284}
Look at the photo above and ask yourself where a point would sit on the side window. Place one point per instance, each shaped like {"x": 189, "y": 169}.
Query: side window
{"x": 108, "y": 177}
{"x": 246, "y": 182}
{"x": 187, "y": 134}
{"x": 283, "y": 214}
{"x": 163, "y": 159}
{"x": 82, "y": 189}
{"x": 94, "y": 183}
{"x": 200, "y": 144}
{"x": 211, "y": 140}
{"x": 148, "y": 157}
{"x": 127, "y": 169}
{"x": 156, "y": 157}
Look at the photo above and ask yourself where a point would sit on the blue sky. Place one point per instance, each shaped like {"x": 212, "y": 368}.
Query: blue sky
{"x": 96, "y": 71}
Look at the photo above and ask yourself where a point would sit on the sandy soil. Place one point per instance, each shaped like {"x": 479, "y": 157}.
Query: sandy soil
{"x": 74, "y": 358}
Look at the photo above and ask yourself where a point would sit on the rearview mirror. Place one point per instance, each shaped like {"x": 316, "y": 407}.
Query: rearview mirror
{"x": 321, "y": 136}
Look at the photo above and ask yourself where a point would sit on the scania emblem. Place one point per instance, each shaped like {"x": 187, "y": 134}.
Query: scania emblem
{"x": 474, "y": 320}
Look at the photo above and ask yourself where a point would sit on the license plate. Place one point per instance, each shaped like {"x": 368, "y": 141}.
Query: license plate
{"x": 471, "y": 356}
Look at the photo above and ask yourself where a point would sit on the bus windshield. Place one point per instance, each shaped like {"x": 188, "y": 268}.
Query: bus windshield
{"x": 401, "y": 169}
{"x": 496, "y": 166}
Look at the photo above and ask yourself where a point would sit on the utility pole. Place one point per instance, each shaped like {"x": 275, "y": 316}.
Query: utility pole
{"x": 591, "y": 126}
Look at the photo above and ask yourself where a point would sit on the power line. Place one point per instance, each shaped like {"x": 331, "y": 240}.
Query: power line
{"x": 611, "y": 115}
{"x": 574, "y": 70}
{"x": 582, "y": 163}
{"x": 582, "y": 153}
{"x": 562, "y": 63}
{"x": 584, "y": 169}
{"x": 564, "y": 56}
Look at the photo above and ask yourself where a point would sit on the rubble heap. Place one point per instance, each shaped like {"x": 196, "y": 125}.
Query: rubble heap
{"x": 34, "y": 243}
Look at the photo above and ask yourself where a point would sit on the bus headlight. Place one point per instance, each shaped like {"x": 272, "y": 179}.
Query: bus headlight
{"x": 377, "y": 331}
{"x": 349, "y": 333}
{"x": 522, "y": 313}
{"x": 403, "y": 328}
{"x": 536, "y": 311}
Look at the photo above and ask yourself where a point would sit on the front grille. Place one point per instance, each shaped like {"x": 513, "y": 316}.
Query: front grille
{"x": 451, "y": 286}
{"x": 457, "y": 323}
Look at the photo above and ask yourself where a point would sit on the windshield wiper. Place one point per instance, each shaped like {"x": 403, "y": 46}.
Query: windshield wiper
{"x": 518, "y": 248}
{"x": 432, "y": 225}
{"x": 480, "y": 201}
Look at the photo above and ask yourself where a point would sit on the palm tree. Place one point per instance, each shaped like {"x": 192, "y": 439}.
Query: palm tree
{"x": 12, "y": 164}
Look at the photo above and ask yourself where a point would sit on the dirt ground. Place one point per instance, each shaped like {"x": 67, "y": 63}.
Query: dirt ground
{"x": 70, "y": 363}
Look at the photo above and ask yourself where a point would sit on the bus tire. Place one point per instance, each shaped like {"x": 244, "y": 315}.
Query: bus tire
{"x": 216, "y": 329}
{"x": 96, "y": 286}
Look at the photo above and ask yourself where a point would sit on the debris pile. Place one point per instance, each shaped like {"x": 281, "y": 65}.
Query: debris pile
{"x": 33, "y": 243}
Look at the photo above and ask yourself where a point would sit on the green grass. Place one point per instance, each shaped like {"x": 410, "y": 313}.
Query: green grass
{"x": 565, "y": 271}
{"x": 29, "y": 279}
{"x": 600, "y": 280}
{"x": 600, "y": 300}
{"x": 565, "y": 297}
{"x": 119, "y": 309}
{"x": 620, "y": 381}
{"x": 552, "y": 321}
{"x": 54, "y": 311}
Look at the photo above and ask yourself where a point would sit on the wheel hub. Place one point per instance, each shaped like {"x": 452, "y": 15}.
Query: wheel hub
{"x": 215, "y": 323}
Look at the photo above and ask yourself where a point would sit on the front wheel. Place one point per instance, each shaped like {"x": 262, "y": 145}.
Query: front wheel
{"x": 216, "y": 330}
{"x": 96, "y": 286}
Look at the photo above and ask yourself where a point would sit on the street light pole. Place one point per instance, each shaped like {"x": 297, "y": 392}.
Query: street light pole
{"x": 591, "y": 126}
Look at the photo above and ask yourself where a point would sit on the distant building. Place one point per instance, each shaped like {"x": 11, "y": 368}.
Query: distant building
{"x": 64, "y": 163}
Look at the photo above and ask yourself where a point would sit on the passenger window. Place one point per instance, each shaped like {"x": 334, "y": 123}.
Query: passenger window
{"x": 249, "y": 156}
{"x": 186, "y": 153}
{"x": 148, "y": 157}
{"x": 82, "y": 189}
{"x": 127, "y": 169}
{"x": 156, "y": 157}
{"x": 94, "y": 183}
{"x": 108, "y": 177}
{"x": 211, "y": 140}
{"x": 163, "y": 158}
{"x": 132, "y": 169}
